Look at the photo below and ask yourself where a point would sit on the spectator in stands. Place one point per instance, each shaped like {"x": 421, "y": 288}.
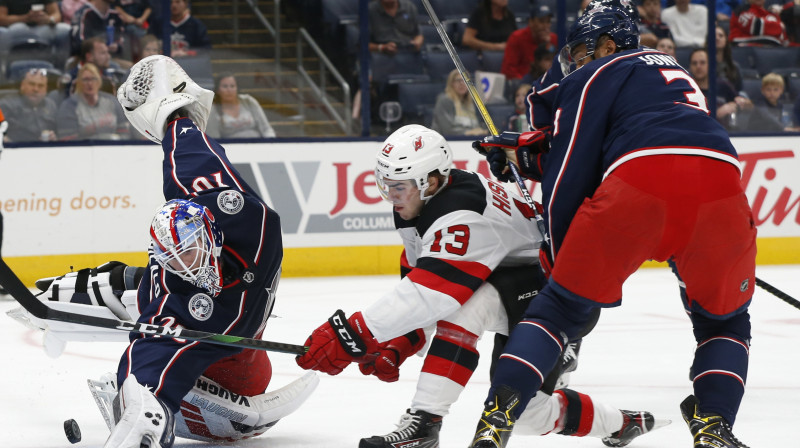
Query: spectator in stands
{"x": 393, "y": 27}
{"x": 542, "y": 60}
{"x": 134, "y": 14}
{"x": 150, "y": 45}
{"x": 667, "y": 45}
{"x": 752, "y": 25}
{"x": 726, "y": 66}
{"x": 688, "y": 23}
{"x": 95, "y": 51}
{"x": 772, "y": 110}
{"x": 790, "y": 16}
{"x": 40, "y": 17}
{"x": 236, "y": 115}
{"x": 489, "y": 26}
{"x": 94, "y": 20}
{"x": 651, "y": 28}
{"x": 188, "y": 35}
{"x": 454, "y": 113}
{"x": 518, "y": 121}
{"x": 30, "y": 114}
{"x": 732, "y": 109}
{"x": 522, "y": 44}
{"x": 89, "y": 113}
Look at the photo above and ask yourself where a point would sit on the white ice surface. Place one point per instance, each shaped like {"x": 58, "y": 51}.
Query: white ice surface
{"x": 637, "y": 358}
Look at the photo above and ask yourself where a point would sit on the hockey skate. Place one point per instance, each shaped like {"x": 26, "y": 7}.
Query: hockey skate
{"x": 709, "y": 430}
{"x": 569, "y": 363}
{"x": 497, "y": 420}
{"x": 634, "y": 424}
{"x": 416, "y": 428}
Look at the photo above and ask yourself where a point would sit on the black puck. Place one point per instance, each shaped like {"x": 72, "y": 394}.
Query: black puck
{"x": 72, "y": 430}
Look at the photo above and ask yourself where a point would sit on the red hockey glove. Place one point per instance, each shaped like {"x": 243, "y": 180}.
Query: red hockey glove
{"x": 392, "y": 354}
{"x": 523, "y": 150}
{"x": 337, "y": 343}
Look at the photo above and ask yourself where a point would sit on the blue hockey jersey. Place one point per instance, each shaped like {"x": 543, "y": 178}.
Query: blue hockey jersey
{"x": 196, "y": 168}
{"x": 632, "y": 104}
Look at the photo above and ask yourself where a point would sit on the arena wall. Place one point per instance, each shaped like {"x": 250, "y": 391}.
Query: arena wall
{"x": 78, "y": 206}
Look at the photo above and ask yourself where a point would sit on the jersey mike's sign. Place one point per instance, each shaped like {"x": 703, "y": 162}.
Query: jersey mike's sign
{"x": 73, "y": 201}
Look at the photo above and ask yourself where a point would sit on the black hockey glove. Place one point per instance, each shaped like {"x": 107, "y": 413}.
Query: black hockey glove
{"x": 525, "y": 148}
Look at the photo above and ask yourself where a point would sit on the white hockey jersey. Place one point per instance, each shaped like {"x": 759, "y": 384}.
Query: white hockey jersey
{"x": 467, "y": 230}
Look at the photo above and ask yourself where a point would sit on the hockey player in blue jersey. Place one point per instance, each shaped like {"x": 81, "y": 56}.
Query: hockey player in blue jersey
{"x": 214, "y": 265}
{"x": 636, "y": 170}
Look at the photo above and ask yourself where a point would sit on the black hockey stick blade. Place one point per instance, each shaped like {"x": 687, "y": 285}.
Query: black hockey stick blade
{"x": 20, "y": 293}
{"x": 778, "y": 293}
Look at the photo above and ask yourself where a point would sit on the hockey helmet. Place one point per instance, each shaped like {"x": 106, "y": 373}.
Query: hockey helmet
{"x": 412, "y": 153}
{"x": 156, "y": 87}
{"x": 601, "y": 21}
{"x": 187, "y": 242}
{"x": 626, "y": 6}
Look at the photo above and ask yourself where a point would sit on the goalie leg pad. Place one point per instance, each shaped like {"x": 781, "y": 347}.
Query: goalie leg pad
{"x": 142, "y": 420}
{"x": 209, "y": 412}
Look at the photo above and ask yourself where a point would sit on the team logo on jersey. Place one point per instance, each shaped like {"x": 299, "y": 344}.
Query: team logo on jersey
{"x": 418, "y": 143}
{"x": 388, "y": 148}
{"x": 201, "y": 306}
{"x": 248, "y": 277}
{"x": 230, "y": 202}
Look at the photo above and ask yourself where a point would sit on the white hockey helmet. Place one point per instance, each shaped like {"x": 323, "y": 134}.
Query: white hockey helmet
{"x": 412, "y": 153}
{"x": 187, "y": 242}
{"x": 156, "y": 87}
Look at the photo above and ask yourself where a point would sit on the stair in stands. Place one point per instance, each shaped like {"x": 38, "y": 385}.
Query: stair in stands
{"x": 251, "y": 58}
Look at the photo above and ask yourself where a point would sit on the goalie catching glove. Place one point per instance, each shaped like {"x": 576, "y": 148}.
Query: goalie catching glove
{"x": 523, "y": 149}
{"x": 156, "y": 87}
{"x": 392, "y": 354}
{"x": 337, "y": 343}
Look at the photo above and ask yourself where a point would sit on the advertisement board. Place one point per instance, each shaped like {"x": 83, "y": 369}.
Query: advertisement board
{"x": 81, "y": 206}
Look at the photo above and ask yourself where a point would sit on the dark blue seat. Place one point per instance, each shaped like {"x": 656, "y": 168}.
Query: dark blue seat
{"x": 438, "y": 65}
{"x": 752, "y": 87}
{"x": 768, "y": 59}
{"x": 500, "y": 113}
{"x": 682, "y": 55}
{"x": 17, "y": 69}
{"x": 453, "y": 9}
{"x": 521, "y": 9}
{"x": 743, "y": 56}
{"x": 339, "y": 12}
{"x": 395, "y": 68}
{"x": 470, "y": 59}
{"x": 492, "y": 61}
{"x": 199, "y": 69}
{"x": 416, "y": 98}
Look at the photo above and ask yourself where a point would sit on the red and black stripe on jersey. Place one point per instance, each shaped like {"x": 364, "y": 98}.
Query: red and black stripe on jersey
{"x": 457, "y": 279}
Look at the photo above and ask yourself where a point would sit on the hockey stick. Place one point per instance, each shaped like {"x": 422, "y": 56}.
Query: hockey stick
{"x": 778, "y": 293}
{"x": 20, "y": 293}
{"x": 473, "y": 92}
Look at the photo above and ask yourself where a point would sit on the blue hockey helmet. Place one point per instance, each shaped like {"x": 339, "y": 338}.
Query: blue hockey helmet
{"x": 601, "y": 21}
{"x": 188, "y": 243}
{"x": 626, "y": 6}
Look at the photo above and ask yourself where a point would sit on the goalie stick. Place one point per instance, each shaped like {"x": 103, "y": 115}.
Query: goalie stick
{"x": 20, "y": 293}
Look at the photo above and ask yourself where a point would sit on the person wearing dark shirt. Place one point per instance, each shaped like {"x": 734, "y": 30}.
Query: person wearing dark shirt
{"x": 187, "y": 34}
{"x": 393, "y": 27}
{"x": 651, "y": 28}
{"x": 731, "y": 107}
{"x": 94, "y": 19}
{"x": 31, "y": 114}
{"x": 489, "y": 26}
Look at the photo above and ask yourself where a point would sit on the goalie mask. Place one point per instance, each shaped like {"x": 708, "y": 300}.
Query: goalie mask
{"x": 412, "y": 153}
{"x": 187, "y": 242}
{"x": 156, "y": 87}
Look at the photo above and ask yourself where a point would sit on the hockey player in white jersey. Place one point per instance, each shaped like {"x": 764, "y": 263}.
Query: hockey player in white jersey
{"x": 470, "y": 265}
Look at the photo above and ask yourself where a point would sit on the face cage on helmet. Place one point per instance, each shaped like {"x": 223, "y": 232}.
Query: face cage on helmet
{"x": 193, "y": 259}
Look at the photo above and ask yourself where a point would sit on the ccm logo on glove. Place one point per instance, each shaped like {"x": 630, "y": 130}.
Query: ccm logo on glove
{"x": 354, "y": 346}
